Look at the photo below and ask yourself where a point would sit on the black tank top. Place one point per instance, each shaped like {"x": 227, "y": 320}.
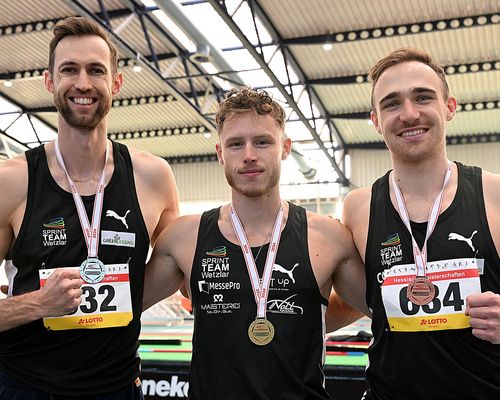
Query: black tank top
{"x": 440, "y": 364}
{"x": 77, "y": 361}
{"x": 226, "y": 365}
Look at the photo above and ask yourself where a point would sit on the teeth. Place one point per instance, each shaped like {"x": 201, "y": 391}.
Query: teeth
{"x": 413, "y": 133}
{"x": 82, "y": 100}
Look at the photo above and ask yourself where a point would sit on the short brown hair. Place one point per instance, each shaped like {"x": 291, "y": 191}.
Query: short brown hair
{"x": 246, "y": 99}
{"x": 406, "y": 54}
{"x": 79, "y": 26}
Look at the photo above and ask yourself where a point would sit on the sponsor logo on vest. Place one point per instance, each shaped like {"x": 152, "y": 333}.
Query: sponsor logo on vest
{"x": 215, "y": 267}
{"x": 218, "y": 298}
{"x": 391, "y": 252}
{"x": 113, "y": 238}
{"x": 279, "y": 268}
{"x": 391, "y": 255}
{"x": 219, "y": 251}
{"x": 55, "y": 235}
{"x": 392, "y": 240}
{"x": 459, "y": 237}
{"x": 164, "y": 388}
{"x": 284, "y": 306}
{"x": 206, "y": 287}
{"x": 220, "y": 308}
{"x": 382, "y": 275}
{"x": 113, "y": 214}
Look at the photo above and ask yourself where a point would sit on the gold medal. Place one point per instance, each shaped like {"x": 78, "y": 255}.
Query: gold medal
{"x": 421, "y": 291}
{"x": 261, "y": 331}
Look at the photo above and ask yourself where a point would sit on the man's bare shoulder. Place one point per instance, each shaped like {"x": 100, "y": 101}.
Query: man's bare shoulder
{"x": 148, "y": 166}
{"x": 184, "y": 229}
{"x": 358, "y": 197}
{"x": 14, "y": 176}
{"x": 356, "y": 206}
{"x": 328, "y": 230}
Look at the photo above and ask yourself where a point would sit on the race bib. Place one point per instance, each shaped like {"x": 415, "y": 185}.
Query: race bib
{"x": 104, "y": 305}
{"x": 453, "y": 280}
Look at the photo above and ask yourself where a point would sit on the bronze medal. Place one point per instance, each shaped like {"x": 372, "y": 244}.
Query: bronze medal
{"x": 261, "y": 331}
{"x": 421, "y": 291}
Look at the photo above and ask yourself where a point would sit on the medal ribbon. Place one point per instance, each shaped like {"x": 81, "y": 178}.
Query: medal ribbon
{"x": 260, "y": 287}
{"x": 420, "y": 256}
{"x": 90, "y": 232}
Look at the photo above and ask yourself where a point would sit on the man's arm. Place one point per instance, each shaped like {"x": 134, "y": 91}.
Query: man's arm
{"x": 484, "y": 308}
{"x": 170, "y": 263}
{"x": 156, "y": 190}
{"x": 331, "y": 250}
{"x": 355, "y": 216}
{"x": 339, "y": 313}
{"x": 62, "y": 290}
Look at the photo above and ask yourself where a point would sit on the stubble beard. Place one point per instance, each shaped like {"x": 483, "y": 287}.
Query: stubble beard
{"x": 88, "y": 122}
{"x": 256, "y": 191}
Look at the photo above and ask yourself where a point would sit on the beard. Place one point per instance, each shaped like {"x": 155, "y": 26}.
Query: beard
{"x": 254, "y": 191}
{"x": 87, "y": 121}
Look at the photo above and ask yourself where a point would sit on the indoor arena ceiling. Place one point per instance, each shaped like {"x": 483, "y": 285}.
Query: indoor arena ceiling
{"x": 313, "y": 55}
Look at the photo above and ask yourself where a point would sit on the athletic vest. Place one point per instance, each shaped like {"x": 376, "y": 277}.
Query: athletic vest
{"x": 431, "y": 363}
{"x": 226, "y": 365}
{"x": 77, "y": 361}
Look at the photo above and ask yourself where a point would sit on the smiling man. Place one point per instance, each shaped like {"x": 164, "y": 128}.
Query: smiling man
{"x": 259, "y": 270}
{"x": 429, "y": 233}
{"x": 75, "y": 227}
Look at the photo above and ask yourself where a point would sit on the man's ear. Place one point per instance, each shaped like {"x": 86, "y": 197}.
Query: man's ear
{"x": 219, "y": 154}
{"x": 49, "y": 83}
{"x": 287, "y": 147}
{"x": 451, "y": 105}
{"x": 374, "y": 119}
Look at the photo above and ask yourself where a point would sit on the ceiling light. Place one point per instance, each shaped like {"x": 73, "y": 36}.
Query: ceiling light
{"x": 7, "y": 83}
{"x": 327, "y": 46}
{"x": 137, "y": 68}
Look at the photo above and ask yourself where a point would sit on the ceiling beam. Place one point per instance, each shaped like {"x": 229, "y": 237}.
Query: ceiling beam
{"x": 451, "y": 69}
{"x": 397, "y": 30}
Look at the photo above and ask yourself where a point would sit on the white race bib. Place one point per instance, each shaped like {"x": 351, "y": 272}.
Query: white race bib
{"x": 454, "y": 280}
{"x": 105, "y": 304}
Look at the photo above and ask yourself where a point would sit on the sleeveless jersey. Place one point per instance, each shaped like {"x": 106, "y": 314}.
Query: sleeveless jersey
{"x": 76, "y": 361}
{"x": 226, "y": 365}
{"x": 431, "y": 364}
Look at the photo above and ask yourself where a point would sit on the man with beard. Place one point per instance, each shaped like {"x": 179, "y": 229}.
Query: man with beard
{"x": 75, "y": 232}
{"x": 259, "y": 270}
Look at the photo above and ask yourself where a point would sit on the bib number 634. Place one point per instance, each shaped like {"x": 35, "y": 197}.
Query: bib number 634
{"x": 451, "y": 298}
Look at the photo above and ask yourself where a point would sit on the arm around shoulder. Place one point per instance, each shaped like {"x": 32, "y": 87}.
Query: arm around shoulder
{"x": 171, "y": 260}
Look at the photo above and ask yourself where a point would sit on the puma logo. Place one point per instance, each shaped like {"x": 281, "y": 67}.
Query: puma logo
{"x": 279, "y": 268}
{"x": 457, "y": 236}
{"x": 111, "y": 213}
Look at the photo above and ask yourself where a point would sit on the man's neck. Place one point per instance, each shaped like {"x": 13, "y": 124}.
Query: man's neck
{"x": 257, "y": 214}
{"x": 421, "y": 178}
{"x": 83, "y": 151}
{"x": 421, "y": 182}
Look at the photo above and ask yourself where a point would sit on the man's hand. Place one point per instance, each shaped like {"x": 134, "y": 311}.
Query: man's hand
{"x": 61, "y": 293}
{"x": 484, "y": 310}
